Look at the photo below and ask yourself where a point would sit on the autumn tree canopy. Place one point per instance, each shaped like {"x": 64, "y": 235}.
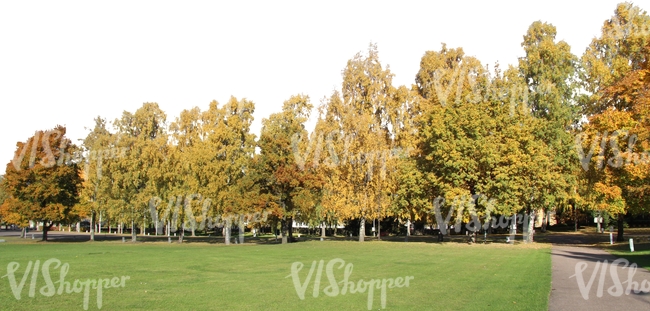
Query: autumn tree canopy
{"x": 43, "y": 180}
{"x": 554, "y": 132}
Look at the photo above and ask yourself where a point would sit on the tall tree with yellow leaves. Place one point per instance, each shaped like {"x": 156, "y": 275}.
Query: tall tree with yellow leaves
{"x": 359, "y": 140}
{"x": 615, "y": 69}
{"x": 136, "y": 177}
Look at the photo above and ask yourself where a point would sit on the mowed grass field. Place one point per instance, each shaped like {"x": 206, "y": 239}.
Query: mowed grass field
{"x": 448, "y": 276}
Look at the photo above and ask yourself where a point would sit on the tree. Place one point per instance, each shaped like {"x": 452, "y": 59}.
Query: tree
{"x": 3, "y": 197}
{"x": 136, "y": 177}
{"x": 549, "y": 70}
{"x": 44, "y": 186}
{"x": 407, "y": 185}
{"x": 477, "y": 143}
{"x": 8, "y": 216}
{"x": 287, "y": 181}
{"x": 360, "y": 139}
{"x": 605, "y": 175}
{"x": 633, "y": 88}
{"x": 524, "y": 172}
{"x": 3, "y": 193}
{"x": 617, "y": 51}
{"x": 458, "y": 136}
{"x": 619, "y": 171}
{"x": 98, "y": 147}
{"x": 187, "y": 132}
{"x": 614, "y": 70}
{"x": 226, "y": 159}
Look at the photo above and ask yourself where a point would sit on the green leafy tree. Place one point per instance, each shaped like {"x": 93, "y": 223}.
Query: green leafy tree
{"x": 477, "y": 147}
{"x": 458, "y": 136}
{"x": 549, "y": 70}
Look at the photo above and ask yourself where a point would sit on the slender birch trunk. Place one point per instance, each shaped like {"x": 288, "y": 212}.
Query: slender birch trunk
{"x": 362, "y": 229}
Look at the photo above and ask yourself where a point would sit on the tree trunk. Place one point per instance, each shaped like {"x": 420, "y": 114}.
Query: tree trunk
{"x": 23, "y": 232}
{"x": 620, "y": 222}
{"x": 322, "y": 230}
{"x": 242, "y": 229}
{"x": 284, "y": 231}
{"x": 99, "y": 224}
{"x": 575, "y": 216}
{"x": 133, "y": 232}
{"x": 226, "y": 231}
{"x": 274, "y": 229}
{"x": 378, "y": 229}
{"x": 290, "y": 229}
{"x": 92, "y": 225}
{"x": 513, "y": 230}
{"x": 531, "y": 226}
{"x": 362, "y": 229}
{"x": 525, "y": 226}
{"x": 408, "y": 230}
{"x": 192, "y": 225}
{"x": 181, "y": 234}
{"x": 46, "y": 227}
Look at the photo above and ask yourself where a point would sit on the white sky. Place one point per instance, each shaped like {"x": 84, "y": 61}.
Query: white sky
{"x": 66, "y": 62}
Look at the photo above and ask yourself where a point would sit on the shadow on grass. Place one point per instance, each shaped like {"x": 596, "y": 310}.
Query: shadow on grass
{"x": 590, "y": 257}
{"x": 73, "y": 237}
{"x": 218, "y": 239}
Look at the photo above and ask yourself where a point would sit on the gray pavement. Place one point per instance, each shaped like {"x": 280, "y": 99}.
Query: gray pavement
{"x": 573, "y": 291}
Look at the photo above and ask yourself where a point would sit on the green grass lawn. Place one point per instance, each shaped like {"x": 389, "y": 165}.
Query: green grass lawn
{"x": 199, "y": 276}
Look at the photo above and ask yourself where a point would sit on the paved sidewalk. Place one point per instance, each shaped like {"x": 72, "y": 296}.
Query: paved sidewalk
{"x": 566, "y": 291}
